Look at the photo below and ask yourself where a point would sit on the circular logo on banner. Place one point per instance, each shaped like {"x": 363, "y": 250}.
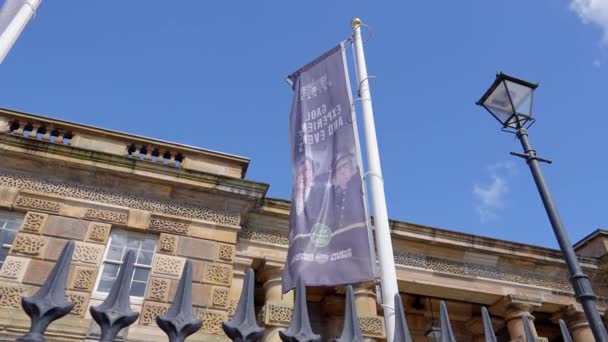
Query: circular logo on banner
{"x": 320, "y": 235}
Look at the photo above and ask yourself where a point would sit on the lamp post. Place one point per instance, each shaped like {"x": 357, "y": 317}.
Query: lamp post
{"x": 509, "y": 100}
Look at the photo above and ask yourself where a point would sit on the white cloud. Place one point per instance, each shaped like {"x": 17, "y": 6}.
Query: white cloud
{"x": 594, "y": 12}
{"x": 490, "y": 196}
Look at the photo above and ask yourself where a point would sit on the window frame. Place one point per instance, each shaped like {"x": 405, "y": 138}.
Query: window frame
{"x": 133, "y": 299}
{"x": 14, "y": 214}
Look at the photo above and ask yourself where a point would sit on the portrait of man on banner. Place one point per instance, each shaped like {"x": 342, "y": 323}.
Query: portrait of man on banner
{"x": 328, "y": 234}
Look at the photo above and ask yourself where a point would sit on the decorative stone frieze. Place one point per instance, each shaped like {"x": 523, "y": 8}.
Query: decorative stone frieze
{"x": 277, "y": 314}
{"x": 225, "y": 252}
{"x": 111, "y": 196}
{"x": 33, "y": 222}
{"x": 261, "y": 235}
{"x": 27, "y": 202}
{"x": 98, "y": 232}
{"x": 167, "y": 243}
{"x": 150, "y": 311}
{"x": 372, "y": 326}
{"x": 481, "y": 271}
{"x": 158, "y": 289}
{"x": 87, "y": 253}
{"x": 232, "y": 304}
{"x": 167, "y": 226}
{"x": 219, "y": 297}
{"x": 10, "y": 296}
{"x": 83, "y": 278}
{"x": 218, "y": 274}
{"x": 212, "y": 321}
{"x": 165, "y": 265}
{"x": 80, "y": 301}
{"x": 14, "y": 268}
{"x": 106, "y": 215}
{"x": 28, "y": 244}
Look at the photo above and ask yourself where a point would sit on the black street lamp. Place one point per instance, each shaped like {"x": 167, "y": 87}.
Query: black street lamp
{"x": 509, "y": 100}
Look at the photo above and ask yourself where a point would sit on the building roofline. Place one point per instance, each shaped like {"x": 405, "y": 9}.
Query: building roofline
{"x": 589, "y": 237}
{"x": 243, "y": 161}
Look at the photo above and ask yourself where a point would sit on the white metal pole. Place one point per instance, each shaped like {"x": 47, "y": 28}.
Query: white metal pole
{"x": 384, "y": 246}
{"x": 14, "y": 28}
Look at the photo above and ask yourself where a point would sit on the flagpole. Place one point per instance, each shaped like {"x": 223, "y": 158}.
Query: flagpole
{"x": 14, "y": 28}
{"x": 384, "y": 246}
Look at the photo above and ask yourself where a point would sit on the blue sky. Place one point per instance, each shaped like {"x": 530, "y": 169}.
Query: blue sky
{"x": 212, "y": 74}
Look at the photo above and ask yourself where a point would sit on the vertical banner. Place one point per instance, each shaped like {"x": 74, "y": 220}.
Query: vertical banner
{"x": 328, "y": 233}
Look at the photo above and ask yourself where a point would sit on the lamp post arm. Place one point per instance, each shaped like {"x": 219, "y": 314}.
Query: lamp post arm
{"x": 579, "y": 280}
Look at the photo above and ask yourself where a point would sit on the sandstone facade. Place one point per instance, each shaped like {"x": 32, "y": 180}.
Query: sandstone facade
{"x": 67, "y": 181}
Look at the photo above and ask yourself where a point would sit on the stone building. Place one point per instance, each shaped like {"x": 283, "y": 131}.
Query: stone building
{"x": 112, "y": 191}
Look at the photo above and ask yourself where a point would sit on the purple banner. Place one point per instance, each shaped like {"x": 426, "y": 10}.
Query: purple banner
{"x": 328, "y": 232}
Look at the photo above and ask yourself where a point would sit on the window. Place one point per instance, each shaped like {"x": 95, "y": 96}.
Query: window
{"x": 119, "y": 243}
{"x": 9, "y": 226}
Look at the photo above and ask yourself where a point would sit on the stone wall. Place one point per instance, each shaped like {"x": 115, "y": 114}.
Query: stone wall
{"x": 50, "y": 221}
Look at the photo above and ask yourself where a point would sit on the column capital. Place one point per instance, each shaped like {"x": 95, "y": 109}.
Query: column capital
{"x": 241, "y": 265}
{"x": 514, "y": 306}
{"x": 573, "y": 315}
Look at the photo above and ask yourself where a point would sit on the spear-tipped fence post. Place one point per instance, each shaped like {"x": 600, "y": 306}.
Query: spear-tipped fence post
{"x": 351, "y": 331}
{"x": 299, "y": 329}
{"x": 565, "y": 333}
{"x": 527, "y": 329}
{"x": 49, "y": 304}
{"x": 488, "y": 329}
{"x": 115, "y": 312}
{"x": 244, "y": 327}
{"x": 447, "y": 335}
{"x": 179, "y": 322}
{"x": 402, "y": 332}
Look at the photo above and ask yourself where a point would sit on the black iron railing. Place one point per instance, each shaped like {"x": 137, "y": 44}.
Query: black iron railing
{"x": 114, "y": 314}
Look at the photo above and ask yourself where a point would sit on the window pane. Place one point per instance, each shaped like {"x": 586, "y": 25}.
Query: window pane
{"x": 138, "y": 289}
{"x": 118, "y": 239}
{"x": 145, "y": 258}
{"x": 13, "y": 225}
{"x": 108, "y": 276}
{"x": 7, "y": 236}
{"x": 115, "y": 253}
{"x": 105, "y": 285}
{"x": 3, "y": 254}
{"x": 149, "y": 244}
{"x": 141, "y": 274}
{"x": 134, "y": 251}
{"x": 133, "y": 243}
{"x": 110, "y": 271}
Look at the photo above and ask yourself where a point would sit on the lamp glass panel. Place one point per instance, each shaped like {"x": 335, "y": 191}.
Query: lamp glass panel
{"x": 521, "y": 96}
{"x": 513, "y": 121}
{"x": 498, "y": 103}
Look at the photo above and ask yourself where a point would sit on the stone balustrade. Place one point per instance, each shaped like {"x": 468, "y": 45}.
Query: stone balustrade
{"x": 136, "y": 148}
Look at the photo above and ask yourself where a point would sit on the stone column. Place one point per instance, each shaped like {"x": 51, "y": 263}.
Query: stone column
{"x": 513, "y": 308}
{"x": 372, "y": 325}
{"x": 278, "y": 307}
{"x": 576, "y": 321}
{"x": 365, "y": 299}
